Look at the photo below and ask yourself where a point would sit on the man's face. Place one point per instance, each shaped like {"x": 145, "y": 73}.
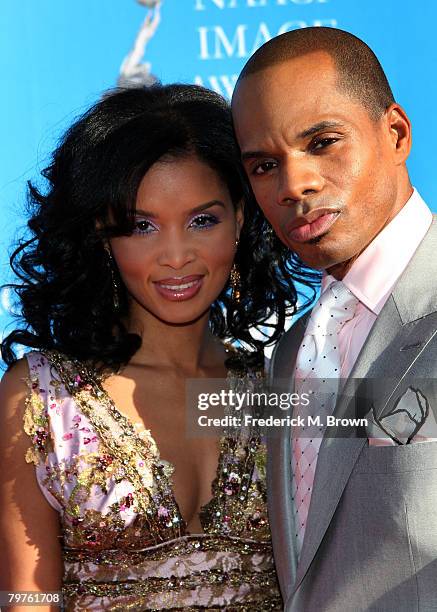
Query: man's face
{"x": 322, "y": 169}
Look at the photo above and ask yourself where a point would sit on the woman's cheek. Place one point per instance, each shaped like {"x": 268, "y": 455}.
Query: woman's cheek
{"x": 220, "y": 256}
{"x": 132, "y": 260}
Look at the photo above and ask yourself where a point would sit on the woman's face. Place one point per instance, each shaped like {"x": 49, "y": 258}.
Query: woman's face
{"x": 179, "y": 257}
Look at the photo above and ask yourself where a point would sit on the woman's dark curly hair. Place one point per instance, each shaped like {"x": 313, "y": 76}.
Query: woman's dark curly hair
{"x": 65, "y": 289}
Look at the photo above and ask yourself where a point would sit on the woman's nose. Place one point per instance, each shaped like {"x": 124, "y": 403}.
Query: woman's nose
{"x": 176, "y": 252}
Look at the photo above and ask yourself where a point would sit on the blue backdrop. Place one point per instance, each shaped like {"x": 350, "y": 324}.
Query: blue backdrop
{"x": 58, "y": 56}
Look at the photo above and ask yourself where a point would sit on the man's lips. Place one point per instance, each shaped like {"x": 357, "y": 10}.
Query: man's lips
{"x": 177, "y": 289}
{"x": 312, "y": 225}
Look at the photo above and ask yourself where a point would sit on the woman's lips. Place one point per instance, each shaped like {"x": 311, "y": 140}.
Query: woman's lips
{"x": 316, "y": 228}
{"x": 179, "y": 289}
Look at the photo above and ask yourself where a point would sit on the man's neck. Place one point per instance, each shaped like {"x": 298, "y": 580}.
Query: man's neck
{"x": 339, "y": 271}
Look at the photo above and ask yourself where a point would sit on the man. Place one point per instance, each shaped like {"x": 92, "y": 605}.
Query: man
{"x": 324, "y": 144}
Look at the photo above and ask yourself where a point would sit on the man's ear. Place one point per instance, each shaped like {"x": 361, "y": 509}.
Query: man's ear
{"x": 399, "y": 129}
{"x": 239, "y": 217}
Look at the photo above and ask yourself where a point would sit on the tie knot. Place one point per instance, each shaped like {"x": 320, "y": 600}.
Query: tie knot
{"x": 335, "y": 306}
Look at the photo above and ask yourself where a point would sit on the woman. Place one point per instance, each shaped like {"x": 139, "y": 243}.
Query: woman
{"x": 138, "y": 268}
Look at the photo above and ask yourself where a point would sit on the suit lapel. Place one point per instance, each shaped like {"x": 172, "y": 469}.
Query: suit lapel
{"x": 395, "y": 341}
{"x": 281, "y": 510}
{"x": 279, "y": 473}
{"x": 338, "y": 455}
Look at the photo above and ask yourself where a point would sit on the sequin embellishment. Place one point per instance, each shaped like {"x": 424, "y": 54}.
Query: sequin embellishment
{"x": 125, "y": 543}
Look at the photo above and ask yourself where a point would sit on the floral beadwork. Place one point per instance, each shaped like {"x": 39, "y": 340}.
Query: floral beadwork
{"x": 121, "y": 525}
{"x": 36, "y": 418}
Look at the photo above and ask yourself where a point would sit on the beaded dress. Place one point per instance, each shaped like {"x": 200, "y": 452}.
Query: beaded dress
{"x": 125, "y": 545}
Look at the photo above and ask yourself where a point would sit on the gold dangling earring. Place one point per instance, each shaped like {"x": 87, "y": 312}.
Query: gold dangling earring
{"x": 236, "y": 281}
{"x": 115, "y": 287}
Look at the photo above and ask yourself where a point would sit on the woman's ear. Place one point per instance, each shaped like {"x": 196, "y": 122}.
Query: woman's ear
{"x": 239, "y": 217}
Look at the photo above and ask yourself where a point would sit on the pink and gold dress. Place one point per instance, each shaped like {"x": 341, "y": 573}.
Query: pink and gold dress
{"x": 124, "y": 541}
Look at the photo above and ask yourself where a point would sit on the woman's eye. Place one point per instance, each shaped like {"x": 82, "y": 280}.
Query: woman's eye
{"x": 264, "y": 167}
{"x": 322, "y": 143}
{"x": 143, "y": 226}
{"x": 204, "y": 221}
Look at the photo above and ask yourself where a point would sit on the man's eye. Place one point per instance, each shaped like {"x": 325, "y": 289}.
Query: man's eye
{"x": 264, "y": 167}
{"x": 204, "y": 221}
{"x": 322, "y": 143}
{"x": 144, "y": 226}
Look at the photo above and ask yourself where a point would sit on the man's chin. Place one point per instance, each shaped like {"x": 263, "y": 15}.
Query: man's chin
{"x": 321, "y": 260}
{"x": 323, "y": 252}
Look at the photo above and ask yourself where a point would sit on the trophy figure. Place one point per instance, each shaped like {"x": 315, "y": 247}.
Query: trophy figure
{"x": 133, "y": 71}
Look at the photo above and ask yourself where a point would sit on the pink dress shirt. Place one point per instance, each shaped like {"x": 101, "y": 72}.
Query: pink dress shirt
{"x": 372, "y": 278}
{"x": 374, "y": 274}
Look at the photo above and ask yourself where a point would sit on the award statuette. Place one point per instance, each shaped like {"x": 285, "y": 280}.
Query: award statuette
{"x": 134, "y": 71}
{"x": 150, "y": 4}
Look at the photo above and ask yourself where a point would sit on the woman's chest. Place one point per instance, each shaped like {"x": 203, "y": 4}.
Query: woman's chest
{"x": 117, "y": 484}
{"x": 159, "y": 406}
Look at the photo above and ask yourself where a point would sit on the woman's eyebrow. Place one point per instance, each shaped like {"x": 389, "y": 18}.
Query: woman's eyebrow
{"x": 200, "y": 208}
{"x": 145, "y": 213}
{"x": 207, "y": 205}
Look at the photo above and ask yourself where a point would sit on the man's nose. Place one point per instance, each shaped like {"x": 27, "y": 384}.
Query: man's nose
{"x": 298, "y": 179}
{"x": 176, "y": 252}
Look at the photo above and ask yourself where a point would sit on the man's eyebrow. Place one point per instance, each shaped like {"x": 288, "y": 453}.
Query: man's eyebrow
{"x": 319, "y": 127}
{"x": 200, "y": 208}
{"x": 247, "y": 155}
{"x": 314, "y": 129}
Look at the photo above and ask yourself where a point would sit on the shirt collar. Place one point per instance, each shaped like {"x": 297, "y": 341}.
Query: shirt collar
{"x": 375, "y": 272}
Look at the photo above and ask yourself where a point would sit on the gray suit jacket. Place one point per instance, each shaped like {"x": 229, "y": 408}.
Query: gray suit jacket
{"x": 371, "y": 534}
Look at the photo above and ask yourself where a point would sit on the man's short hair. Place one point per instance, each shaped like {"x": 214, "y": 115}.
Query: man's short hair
{"x": 360, "y": 74}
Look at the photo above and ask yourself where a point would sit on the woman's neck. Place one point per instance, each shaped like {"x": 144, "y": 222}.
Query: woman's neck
{"x": 191, "y": 347}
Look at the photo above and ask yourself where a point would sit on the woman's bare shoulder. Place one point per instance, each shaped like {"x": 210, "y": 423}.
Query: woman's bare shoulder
{"x": 29, "y": 527}
{"x": 14, "y": 388}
